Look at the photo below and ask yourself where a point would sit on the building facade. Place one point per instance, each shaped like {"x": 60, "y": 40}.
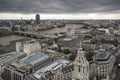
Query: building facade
{"x": 19, "y": 69}
{"x": 28, "y": 46}
{"x": 81, "y": 66}
{"x": 59, "y": 70}
{"x": 105, "y": 61}
{"x": 37, "y": 19}
{"x": 45, "y": 66}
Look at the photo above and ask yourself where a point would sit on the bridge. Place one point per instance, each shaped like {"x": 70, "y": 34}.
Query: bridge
{"x": 29, "y": 34}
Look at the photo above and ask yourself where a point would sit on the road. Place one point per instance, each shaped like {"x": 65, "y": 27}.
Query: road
{"x": 117, "y": 68}
{"x": 117, "y": 74}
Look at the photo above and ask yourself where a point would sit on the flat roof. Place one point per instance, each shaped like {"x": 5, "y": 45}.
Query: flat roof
{"x": 52, "y": 67}
{"x": 9, "y": 56}
{"x": 104, "y": 57}
{"x": 101, "y": 55}
{"x": 106, "y": 30}
{"x": 29, "y": 61}
{"x": 70, "y": 38}
{"x": 33, "y": 58}
{"x": 107, "y": 61}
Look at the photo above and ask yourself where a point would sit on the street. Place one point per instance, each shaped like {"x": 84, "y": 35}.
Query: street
{"x": 117, "y": 74}
{"x": 117, "y": 68}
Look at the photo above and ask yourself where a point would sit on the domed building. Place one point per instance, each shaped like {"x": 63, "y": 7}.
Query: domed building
{"x": 81, "y": 66}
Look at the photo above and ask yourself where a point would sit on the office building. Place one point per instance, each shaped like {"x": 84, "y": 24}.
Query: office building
{"x": 37, "y": 19}
{"x": 26, "y": 66}
{"x": 105, "y": 61}
{"x": 58, "y": 70}
{"x": 28, "y": 47}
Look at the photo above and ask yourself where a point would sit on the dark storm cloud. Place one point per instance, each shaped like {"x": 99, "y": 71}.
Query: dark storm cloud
{"x": 59, "y": 6}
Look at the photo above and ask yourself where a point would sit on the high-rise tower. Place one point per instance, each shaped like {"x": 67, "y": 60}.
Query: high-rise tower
{"x": 37, "y": 19}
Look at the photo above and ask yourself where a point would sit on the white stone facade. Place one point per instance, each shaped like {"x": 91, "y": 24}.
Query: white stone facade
{"x": 81, "y": 66}
{"x": 28, "y": 47}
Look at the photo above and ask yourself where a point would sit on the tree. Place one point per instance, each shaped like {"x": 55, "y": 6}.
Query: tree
{"x": 89, "y": 55}
{"x": 85, "y": 27}
{"x": 72, "y": 57}
{"x": 66, "y": 51}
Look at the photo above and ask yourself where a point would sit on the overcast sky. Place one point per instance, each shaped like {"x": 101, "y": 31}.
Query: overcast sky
{"x": 60, "y": 9}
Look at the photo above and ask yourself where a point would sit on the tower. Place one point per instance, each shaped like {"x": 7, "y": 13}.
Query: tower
{"x": 81, "y": 66}
{"x": 37, "y": 19}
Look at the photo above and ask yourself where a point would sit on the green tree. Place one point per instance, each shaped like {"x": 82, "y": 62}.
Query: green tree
{"x": 72, "y": 57}
{"x": 85, "y": 27}
{"x": 66, "y": 51}
{"x": 89, "y": 55}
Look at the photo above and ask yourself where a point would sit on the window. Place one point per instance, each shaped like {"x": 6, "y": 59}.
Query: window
{"x": 83, "y": 69}
{"x": 78, "y": 68}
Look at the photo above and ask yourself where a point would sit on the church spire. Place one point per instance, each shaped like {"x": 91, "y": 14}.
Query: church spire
{"x": 80, "y": 45}
{"x": 80, "y": 48}
{"x": 81, "y": 65}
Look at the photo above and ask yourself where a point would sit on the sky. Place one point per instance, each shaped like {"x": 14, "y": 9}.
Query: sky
{"x": 60, "y": 9}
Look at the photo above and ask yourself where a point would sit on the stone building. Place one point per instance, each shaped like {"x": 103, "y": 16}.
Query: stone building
{"x": 81, "y": 66}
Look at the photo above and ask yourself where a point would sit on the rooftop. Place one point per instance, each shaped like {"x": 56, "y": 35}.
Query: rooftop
{"x": 32, "y": 41}
{"x": 9, "y": 56}
{"x": 52, "y": 67}
{"x": 27, "y": 62}
{"x": 101, "y": 55}
{"x": 70, "y": 41}
{"x": 70, "y": 38}
{"x": 106, "y": 30}
{"x": 108, "y": 36}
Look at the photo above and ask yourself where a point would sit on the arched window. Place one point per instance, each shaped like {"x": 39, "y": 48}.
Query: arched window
{"x": 79, "y": 69}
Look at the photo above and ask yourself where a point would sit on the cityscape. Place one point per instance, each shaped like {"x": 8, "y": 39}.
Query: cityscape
{"x": 48, "y": 40}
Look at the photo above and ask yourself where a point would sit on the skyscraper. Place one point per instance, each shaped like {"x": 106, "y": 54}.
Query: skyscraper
{"x": 37, "y": 19}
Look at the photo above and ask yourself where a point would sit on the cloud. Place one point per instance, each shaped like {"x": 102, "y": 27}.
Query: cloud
{"x": 60, "y": 6}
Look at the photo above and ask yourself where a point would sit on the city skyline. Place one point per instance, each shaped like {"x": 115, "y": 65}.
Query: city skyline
{"x": 60, "y": 9}
{"x": 18, "y": 16}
